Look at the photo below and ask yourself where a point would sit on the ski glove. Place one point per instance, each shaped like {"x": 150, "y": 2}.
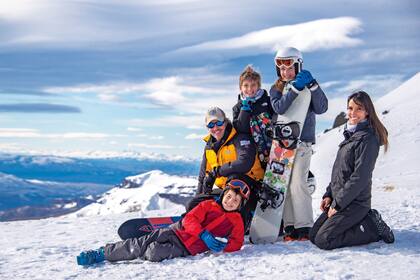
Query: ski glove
{"x": 246, "y": 104}
{"x": 303, "y": 78}
{"x": 209, "y": 180}
{"x": 211, "y": 242}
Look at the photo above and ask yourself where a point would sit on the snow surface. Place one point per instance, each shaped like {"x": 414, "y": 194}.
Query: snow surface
{"x": 47, "y": 248}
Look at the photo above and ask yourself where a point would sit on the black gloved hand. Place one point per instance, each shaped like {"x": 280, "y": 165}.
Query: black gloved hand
{"x": 209, "y": 180}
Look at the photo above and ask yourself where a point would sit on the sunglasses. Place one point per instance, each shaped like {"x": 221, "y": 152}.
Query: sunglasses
{"x": 213, "y": 124}
{"x": 285, "y": 62}
{"x": 240, "y": 185}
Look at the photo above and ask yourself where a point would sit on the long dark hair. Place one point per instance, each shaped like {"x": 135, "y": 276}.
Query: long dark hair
{"x": 362, "y": 99}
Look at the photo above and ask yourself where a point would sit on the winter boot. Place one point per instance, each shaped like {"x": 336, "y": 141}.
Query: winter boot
{"x": 290, "y": 233}
{"x": 91, "y": 256}
{"x": 303, "y": 233}
{"x": 384, "y": 230}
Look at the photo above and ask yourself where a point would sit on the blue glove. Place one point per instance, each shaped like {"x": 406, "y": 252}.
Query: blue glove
{"x": 211, "y": 242}
{"x": 303, "y": 78}
{"x": 246, "y": 104}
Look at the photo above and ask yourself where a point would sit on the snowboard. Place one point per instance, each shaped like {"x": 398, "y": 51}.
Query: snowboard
{"x": 136, "y": 228}
{"x": 285, "y": 133}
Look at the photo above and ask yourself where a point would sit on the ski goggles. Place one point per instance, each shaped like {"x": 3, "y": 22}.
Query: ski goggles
{"x": 285, "y": 62}
{"x": 213, "y": 124}
{"x": 240, "y": 185}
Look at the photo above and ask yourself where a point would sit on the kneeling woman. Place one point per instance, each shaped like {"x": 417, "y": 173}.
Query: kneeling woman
{"x": 347, "y": 217}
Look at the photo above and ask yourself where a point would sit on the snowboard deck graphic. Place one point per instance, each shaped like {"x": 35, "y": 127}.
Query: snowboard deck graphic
{"x": 268, "y": 214}
{"x": 259, "y": 126}
{"x": 136, "y": 228}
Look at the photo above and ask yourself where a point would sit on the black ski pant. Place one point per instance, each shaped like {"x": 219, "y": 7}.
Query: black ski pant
{"x": 161, "y": 244}
{"x": 348, "y": 227}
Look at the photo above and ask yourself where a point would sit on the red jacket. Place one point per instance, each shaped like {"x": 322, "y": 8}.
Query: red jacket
{"x": 210, "y": 215}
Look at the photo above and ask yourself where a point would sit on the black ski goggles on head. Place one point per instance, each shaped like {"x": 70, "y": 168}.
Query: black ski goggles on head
{"x": 236, "y": 184}
{"x": 213, "y": 124}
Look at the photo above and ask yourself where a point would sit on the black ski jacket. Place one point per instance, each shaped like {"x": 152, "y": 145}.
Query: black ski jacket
{"x": 351, "y": 178}
{"x": 241, "y": 118}
{"x": 246, "y": 159}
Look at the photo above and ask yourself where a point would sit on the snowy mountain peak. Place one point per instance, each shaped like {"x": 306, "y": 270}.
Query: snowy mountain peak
{"x": 145, "y": 192}
{"x": 139, "y": 180}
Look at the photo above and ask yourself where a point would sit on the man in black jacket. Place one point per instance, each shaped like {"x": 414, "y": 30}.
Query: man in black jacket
{"x": 227, "y": 154}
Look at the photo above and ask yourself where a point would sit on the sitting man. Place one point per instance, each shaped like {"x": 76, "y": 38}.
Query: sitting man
{"x": 227, "y": 155}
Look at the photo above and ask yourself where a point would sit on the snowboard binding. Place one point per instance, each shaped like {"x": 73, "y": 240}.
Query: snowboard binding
{"x": 270, "y": 197}
{"x": 285, "y": 131}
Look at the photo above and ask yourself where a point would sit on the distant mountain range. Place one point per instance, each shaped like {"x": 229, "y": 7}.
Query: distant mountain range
{"x": 108, "y": 170}
{"x": 39, "y": 186}
{"x": 26, "y": 199}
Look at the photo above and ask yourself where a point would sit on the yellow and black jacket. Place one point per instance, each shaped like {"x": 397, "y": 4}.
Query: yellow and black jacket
{"x": 235, "y": 153}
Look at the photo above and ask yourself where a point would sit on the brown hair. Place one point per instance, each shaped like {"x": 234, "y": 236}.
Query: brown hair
{"x": 279, "y": 85}
{"x": 249, "y": 74}
{"x": 362, "y": 99}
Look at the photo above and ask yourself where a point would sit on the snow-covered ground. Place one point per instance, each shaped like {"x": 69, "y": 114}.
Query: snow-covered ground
{"x": 47, "y": 249}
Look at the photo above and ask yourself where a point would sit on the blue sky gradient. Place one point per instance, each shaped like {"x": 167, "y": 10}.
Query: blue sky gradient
{"x": 114, "y": 76}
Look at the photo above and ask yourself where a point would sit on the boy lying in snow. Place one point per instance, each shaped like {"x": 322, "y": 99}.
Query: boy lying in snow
{"x": 211, "y": 225}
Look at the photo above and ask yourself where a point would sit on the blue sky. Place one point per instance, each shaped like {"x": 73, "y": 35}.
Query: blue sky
{"x": 108, "y": 76}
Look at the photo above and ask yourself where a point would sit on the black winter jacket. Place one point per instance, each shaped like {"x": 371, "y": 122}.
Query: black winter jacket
{"x": 245, "y": 156}
{"x": 351, "y": 178}
{"x": 241, "y": 118}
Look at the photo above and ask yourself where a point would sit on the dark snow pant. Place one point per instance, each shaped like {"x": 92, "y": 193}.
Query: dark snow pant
{"x": 348, "y": 227}
{"x": 161, "y": 244}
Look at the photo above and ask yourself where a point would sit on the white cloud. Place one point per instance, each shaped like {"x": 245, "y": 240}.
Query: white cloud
{"x": 191, "y": 91}
{"x": 335, "y": 106}
{"x": 158, "y": 137}
{"x": 134, "y": 129}
{"x": 375, "y": 85}
{"x": 190, "y": 122}
{"x": 194, "y": 136}
{"x": 307, "y": 36}
{"x": 153, "y": 146}
{"x": 393, "y": 55}
{"x": 33, "y": 133}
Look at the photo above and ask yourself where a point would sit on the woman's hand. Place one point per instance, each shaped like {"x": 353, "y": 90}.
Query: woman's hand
{"x": 331, "y": 212}
{"x": 325, "y": 203}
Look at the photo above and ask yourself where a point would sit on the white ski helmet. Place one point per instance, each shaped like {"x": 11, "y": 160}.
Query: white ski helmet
{"x": 292, "y": 53}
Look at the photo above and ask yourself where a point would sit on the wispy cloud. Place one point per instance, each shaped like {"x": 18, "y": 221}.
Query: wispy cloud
{"x": 154, "y": 146}
{"x": 191, "y": 90}
{"x": 375, "y": 85}
{"x": 34, "y": 133}
{"x": 38, "y": 108}
{"x": 307, "y": 36}
{"x": 194, "y": 136}
{"x": 393, "y": 55}
{"x": 190, "y": 121}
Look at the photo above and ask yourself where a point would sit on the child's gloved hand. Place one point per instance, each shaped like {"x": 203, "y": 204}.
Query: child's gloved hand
{"x": 211, "y": 242}
{"x": 303, "y": 78}
{"x": 246, "y": 104}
